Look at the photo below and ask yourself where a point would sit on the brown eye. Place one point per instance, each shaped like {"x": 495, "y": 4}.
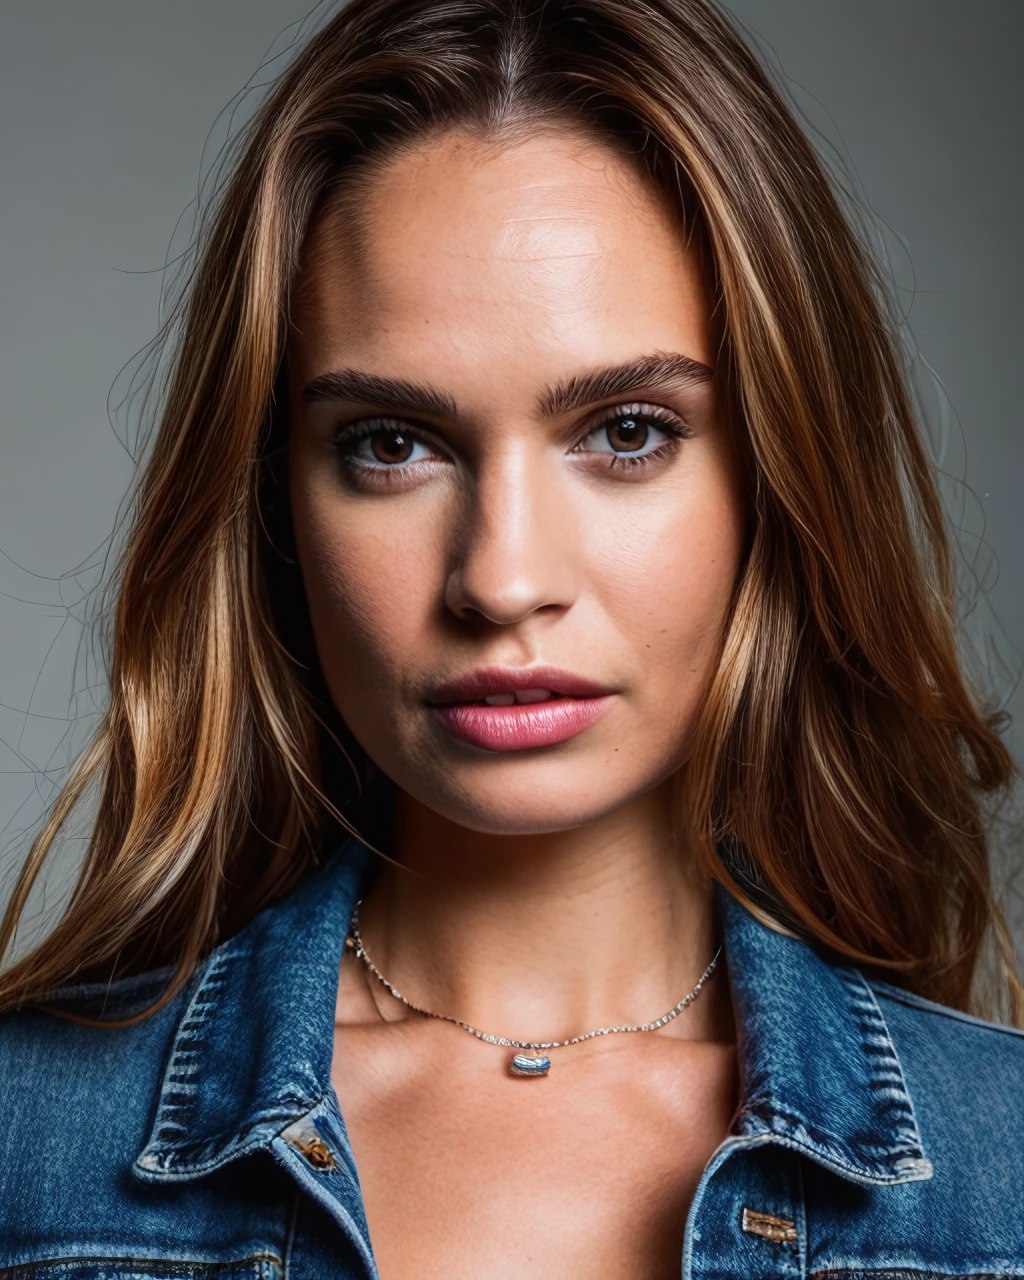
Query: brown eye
{"x": 634, "y": 433}
{"x": 391, "y": 446}
{"x": 384, "y": 447}
{"x": 627, "y": 435}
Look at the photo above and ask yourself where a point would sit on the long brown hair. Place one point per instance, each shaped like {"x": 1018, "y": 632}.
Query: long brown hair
{"x": 838, "y": 746}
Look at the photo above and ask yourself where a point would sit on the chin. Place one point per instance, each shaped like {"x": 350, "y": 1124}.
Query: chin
{"x": 510, "y": 815}
{"x": 519, "y": 797}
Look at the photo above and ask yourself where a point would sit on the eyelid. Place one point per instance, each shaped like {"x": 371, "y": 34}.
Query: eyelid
{"x": 640, "y": 407}
{"x": 669, "y": 420}
{"x": 351, "y": 432}
{"x": 361, "y": 428}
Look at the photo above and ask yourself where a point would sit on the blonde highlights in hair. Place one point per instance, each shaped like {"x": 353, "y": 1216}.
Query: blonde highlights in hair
{"x": 839, "y": 749}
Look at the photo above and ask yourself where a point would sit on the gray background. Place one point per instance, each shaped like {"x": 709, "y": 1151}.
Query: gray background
{"x": 105, "y": 106}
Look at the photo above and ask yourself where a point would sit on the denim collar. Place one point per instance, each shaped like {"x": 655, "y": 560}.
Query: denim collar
{"x": 819, "y": 1070}
{"x": 252, "y": 1050}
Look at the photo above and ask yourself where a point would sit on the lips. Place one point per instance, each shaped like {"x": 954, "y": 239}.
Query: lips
{"x": 516, "y": 708}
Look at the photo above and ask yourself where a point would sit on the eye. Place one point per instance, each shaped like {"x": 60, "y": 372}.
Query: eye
{"x": 634, "y": 431}
{"x": 389, "y": 445}
{"x": 384, "y": 454}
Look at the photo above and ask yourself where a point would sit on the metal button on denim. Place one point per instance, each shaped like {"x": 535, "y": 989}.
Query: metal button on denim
{"x": 877, "y": 1135}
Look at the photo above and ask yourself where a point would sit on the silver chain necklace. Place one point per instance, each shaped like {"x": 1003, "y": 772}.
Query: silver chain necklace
{"x": 533, "y": 1062}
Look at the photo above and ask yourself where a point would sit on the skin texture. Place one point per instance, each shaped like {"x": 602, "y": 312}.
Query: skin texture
{"x": 540, "y": 892}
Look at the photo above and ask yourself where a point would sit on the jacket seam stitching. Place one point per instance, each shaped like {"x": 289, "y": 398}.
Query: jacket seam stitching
{"x": 188, "y": 1041}
{"x": 911, "y": 1001}
{"x": 166, "y": 1266}
{"x": 887, "y": 1081}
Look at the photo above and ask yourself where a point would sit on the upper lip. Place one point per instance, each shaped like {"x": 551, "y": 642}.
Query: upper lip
{"x": 488, "y": 681}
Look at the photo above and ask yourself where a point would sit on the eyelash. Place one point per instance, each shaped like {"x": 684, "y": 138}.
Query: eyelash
{"x": 359, "y": 470}
{"x": 665, "y": 421}
{"x": 671, "y": 425}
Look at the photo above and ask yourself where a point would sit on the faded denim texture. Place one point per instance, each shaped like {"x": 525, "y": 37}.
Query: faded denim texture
{"x": 879, "y": 1135}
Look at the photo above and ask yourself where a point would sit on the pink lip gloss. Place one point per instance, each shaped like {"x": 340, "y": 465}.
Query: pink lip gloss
{"x": 522, "y": 725}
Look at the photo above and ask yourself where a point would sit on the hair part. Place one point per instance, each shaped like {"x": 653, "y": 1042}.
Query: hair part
{"x": 838, "y": 748}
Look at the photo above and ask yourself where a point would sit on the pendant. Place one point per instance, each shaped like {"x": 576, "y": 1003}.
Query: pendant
{"x": 524, "y": 1064}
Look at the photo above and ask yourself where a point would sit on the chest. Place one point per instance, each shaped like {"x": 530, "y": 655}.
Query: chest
{"x": 588, "y": 1171}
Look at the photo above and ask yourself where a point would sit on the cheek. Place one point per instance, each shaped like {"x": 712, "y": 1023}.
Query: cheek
{"x": 371, "y": 587}
{"x": 668, "y": 583}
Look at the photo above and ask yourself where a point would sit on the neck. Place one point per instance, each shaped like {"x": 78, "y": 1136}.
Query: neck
{"x": 544, "y": 936}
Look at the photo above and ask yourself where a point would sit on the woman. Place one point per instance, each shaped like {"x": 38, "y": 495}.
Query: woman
{"x": 539, "y": 583}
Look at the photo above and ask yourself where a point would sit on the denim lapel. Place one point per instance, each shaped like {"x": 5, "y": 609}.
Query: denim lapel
{"x": 819, "y": 1071}
{"x": 252, "y": 1052}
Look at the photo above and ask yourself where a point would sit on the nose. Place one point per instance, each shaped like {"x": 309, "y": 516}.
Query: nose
{"x": 514, "y": 552}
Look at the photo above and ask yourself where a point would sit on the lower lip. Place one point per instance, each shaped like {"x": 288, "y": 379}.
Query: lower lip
{"x": 521, "y": 726}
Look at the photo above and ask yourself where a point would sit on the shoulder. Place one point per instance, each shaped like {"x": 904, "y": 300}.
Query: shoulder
{"x": 965, "y": 1078}
{"x": 77, "y": 1098}
{"x": 922, "y": 1028}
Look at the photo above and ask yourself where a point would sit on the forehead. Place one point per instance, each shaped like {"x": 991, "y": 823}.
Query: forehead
{"x": 462, "y": 253}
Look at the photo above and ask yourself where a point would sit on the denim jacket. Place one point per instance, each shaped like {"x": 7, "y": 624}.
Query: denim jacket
{"x": 878, "y": 1135}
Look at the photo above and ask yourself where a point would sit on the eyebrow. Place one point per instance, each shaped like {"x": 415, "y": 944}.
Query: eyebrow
{"x": 372, "y": 388}
{"x": 653, "y": 372}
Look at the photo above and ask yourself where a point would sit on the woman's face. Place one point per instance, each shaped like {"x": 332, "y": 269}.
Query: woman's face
{"x": 516, "y": 501}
